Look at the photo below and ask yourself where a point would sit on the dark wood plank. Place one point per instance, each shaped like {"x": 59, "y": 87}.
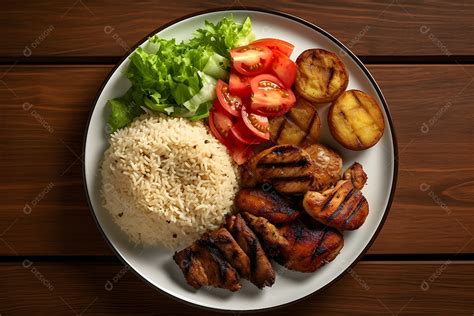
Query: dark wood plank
{"x": 80, "y": 288}
{"x": 376, "y": 28}
{"x": 41, "y": 166}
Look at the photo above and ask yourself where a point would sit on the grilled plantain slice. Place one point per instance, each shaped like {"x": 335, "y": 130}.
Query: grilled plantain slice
{"x": 356, "y": 120}
{"x": 327, "y": 164}
{"x": 342, "y": 207}
{"x": 288, "y": 168}
{"x": 300, "y": 125}
{"x": 265, "y": 204}
{"x": 321, "y": 76}
{"x": 356, "y": 174}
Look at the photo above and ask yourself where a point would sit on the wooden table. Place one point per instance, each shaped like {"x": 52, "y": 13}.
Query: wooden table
{"x": 54, "y": 57}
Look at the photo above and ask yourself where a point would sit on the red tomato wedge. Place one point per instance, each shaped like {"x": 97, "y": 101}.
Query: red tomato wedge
{"x": 276, "y": 45}
{"x": 241, "y": 132}
{"x": 251, "y": 60}
{"x": 256, "y": 124}
{"x": 229, "y": 102}
{"x": 220, "y": 123}
{"x": 241, "y": 153}
{"x": 239, "y": 85}
{"x": 270, "y": 97}
{"x": 284, "y": 68}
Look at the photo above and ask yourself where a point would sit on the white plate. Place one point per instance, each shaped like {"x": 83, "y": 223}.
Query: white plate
{"x": 156, "y": 265}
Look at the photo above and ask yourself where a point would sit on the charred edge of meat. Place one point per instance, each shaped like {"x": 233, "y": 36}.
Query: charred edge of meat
{"x": 284, "y": 149}
{"x": 217, "y": 256}
{"x": 253, "y": 255}
{"x": 340, "y": 207}
{"x": 261, "y": 226}
{"x": 356, "y": 210}
{"x": 231, "y": 250}
{"x": 262, "y": 273}
{"x": 320, "y": 249}
{"x": 187, "y": 256}
{"x": 263, "y": 203}
{"x": 292, "y": 164}
{"x": 228, "y": 277}
{"x": 292, "y": 179}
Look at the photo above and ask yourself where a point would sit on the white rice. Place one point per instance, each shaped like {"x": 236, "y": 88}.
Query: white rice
{"x": 167, "y": 180}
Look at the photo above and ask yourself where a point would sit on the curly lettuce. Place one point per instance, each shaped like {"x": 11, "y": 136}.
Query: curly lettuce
{"x": 179, "y": 78}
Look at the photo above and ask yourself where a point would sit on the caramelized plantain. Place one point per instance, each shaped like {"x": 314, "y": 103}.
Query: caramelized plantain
{"x": 321, "y": 76}
{"x": 356, "y": 120}
{"x": 300, "y": 125}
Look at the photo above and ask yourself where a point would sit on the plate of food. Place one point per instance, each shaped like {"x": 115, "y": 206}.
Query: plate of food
{"x": 240, "y": 159}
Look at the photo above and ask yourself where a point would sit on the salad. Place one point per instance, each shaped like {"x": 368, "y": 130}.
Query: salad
{"x": 179, "y": 78}
{"x": 222, "y": 73}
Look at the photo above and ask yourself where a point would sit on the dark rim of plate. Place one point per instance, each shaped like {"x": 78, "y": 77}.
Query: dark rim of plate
{"x": 313, "y": 27}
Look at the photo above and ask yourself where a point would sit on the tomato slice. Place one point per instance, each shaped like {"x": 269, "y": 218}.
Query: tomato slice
{"x": 284, "y": 68}
{"x": 241, "y": 153}
{"x": 220, "y": 123}
{"x": 251, "y": 60}
{"x": 270, "y": 97}
{"x": 276, "y": 45}
{"x": 229, "y": 102}
{"x": 241, "y": 132}
{"x": 256, "y": 124}
{"x": 239, "y": 85}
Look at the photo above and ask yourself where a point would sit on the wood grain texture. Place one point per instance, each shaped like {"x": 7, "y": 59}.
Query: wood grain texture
{"x": 377, "y": 28}
{"x": 388, "y": 288}
{"x": 45, "y": 109}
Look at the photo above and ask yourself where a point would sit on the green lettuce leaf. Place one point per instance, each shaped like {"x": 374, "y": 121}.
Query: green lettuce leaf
{"x": 175, "y": 78}
{"x": 224, "y": 35}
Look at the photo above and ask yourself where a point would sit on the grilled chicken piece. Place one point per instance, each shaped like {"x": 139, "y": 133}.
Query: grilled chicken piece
{"x": 261, "y": 271}
{"x": 269, "y": 205}
{"x": 203, "y": 264}
{"x": 356, "y": 174}
{"x": 248, "y": 172}
{"x": 191, "y": 266}
{"x": 223, "y": 240}
{"x": 327, "y": 164}
{"x": 300, "y": 125}
{"x": 342, "y": 207}
{"x": 288, "y": 168}
{"x": 295, "y": 246}
{"x": 248, "y": 178}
